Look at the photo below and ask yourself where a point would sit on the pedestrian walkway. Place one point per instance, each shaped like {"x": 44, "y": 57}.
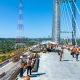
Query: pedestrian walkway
{"x": 52, "y": 69}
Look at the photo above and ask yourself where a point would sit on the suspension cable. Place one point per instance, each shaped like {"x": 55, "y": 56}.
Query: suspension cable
{"x": 66, "y": 19}
{"x": 74, "y": 17}
{"x": 76, "y": 7}
{"x": 63, "y": 14}
{"x": 68, "y": 14}
{"x": 61, "y": 18}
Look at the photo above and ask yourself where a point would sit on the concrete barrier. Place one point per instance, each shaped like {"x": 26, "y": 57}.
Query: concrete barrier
{"x": 36, "y": 65}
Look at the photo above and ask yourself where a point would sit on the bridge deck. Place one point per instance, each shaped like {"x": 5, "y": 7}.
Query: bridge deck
{"x": 52, "y": 69}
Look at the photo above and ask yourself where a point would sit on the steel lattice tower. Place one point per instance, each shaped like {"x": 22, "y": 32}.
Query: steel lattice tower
{"x": 20, "y": 22}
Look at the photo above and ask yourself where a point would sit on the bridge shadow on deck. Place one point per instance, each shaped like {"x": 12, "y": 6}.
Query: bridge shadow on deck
{"x": 67, "y": 60}
{"x": 37, "y": 74}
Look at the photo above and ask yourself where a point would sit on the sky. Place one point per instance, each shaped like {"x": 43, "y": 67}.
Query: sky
{"x": 37, "y": 18}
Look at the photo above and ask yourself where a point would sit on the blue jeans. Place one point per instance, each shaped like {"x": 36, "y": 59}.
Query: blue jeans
{"x": 29, "y": 68}
{"x": 76, "y": 57}
{"x": 21, "y": 72}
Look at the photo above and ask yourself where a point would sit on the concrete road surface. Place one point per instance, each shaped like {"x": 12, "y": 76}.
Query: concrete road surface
{"x": 52, "y": 69}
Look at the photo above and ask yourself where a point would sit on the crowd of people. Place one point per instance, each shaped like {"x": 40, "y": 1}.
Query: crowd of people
{"x": 74, "y": 51}
{"x": 27, "y": 63}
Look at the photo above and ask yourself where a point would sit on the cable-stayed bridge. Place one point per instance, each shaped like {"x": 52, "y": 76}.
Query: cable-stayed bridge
{"x": 65, "y": 15}
{"x": 65, "y": 23}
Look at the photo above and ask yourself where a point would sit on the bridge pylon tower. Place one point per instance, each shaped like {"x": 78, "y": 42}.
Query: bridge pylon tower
{"x": 56, "y": 21}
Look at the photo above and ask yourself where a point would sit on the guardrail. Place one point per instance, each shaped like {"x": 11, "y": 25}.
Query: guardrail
{"x": 3, "y": 74}
{"x": 3, "y": 63}
{"x": 9, "y": 75}
{"x": 36, "y": 65}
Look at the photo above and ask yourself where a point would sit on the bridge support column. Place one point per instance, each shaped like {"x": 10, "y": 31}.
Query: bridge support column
{"x": 56, "y": 22}
{"x": 73, "y": 23}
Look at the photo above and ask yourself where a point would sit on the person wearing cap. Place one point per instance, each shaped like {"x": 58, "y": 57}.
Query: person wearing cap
{"x": 21, "y": 66}
{"x": 76, "y": 53}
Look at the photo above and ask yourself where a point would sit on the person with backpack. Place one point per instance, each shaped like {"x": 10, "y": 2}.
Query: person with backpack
{"x": 76, "y": 53}
{"x": 73, "y": 52}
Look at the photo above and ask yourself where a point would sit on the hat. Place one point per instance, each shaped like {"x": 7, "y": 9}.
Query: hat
{"x": 21, "y": 56}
